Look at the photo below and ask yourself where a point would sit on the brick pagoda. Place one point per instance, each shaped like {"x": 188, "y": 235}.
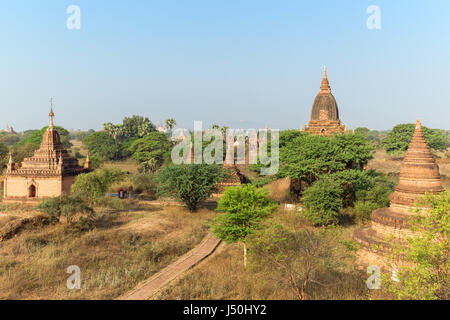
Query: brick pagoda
{"x": 48, "y": 173}
{"x": 325, "y": 113}
{"x": 419, "y": 174}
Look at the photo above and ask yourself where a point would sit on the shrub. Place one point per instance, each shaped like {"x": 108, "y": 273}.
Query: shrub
{"x": 94, "y": 185}
{"x": 323, "y": 202}
{"x": 297, "y": 259}
{"x": 244, "y": 207}
{"x": 425, "y": 275}
{"x": 362, "y": 210}
{"x": 144, "y": 184}
{"x": 190, "y": 183}
{"x": 69, "y": 207}
{"x": 375, "y": 196}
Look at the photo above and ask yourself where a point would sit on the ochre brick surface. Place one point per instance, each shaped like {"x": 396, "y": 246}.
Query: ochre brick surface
{"x": 48, "y": 173}
{"x": 419, "y": 174}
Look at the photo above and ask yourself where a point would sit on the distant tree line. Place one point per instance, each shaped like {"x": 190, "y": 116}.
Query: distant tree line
{"x": 396, "y": 141}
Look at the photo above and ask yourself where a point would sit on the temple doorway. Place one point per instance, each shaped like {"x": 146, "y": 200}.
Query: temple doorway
{"x": 32, "y": 191}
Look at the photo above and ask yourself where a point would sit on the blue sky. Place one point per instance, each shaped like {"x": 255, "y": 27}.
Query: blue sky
{"x": 241, "y": 63}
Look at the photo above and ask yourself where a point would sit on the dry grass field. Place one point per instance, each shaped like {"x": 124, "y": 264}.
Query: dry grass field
{"x": 124, "y": 248}
{"x": 223, "y": 276}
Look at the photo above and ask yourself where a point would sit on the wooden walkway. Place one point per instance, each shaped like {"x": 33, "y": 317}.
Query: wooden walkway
{"x": 154, "y": 284}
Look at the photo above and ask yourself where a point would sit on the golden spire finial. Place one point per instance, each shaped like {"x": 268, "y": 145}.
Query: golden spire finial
{"x": 51, "y": 114}
{"x": 325, "y": 86}
{"x": 10, "y": 158}
{"x": 418, "y": 124}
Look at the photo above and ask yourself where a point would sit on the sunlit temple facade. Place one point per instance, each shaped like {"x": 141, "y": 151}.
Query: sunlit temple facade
{"x": 48, "y": 173}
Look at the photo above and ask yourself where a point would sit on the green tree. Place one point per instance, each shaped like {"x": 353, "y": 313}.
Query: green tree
{"x": 224, "y": 130}
{"x": 21, "y": 151}
{"x": 306, "y": 157}
{"x": 9, "y": 139}
{"x": 115, "y": 131}
{"x": 362, "y": 191}
{"x": 131, "y": 127}
{"x": 359, "y": 185}
{"x": 244, "y": 207}
{"x": 355, "y": 150}
{"x": 137, "y": 126}
{"x": 94, "y": 185}
{"x": 399, "y": 138}
{"x": 362, "y": 130}
{"x": 323, "y": 202}
{"x": 425, "y": 274}
{"x": 102, "y": 146}
{"x": 372, "y": 196}
{"x": 35, "y": 138}
{"x": 155, "y": 145}
{"x": 4, "y": 156}
{"x": 171, "y": 123}
{"x": 297, "y": 259}
{"x": 189, "y": 183}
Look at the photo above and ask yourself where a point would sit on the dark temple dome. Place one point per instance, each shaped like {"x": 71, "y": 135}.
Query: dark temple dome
{"x": 325, "y": 106}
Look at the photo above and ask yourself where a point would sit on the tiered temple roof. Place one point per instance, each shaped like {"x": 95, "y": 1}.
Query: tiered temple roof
{"x": 51, "y": 159}
{"x": 419, "y": 174}
{"x": 325, "y": 113}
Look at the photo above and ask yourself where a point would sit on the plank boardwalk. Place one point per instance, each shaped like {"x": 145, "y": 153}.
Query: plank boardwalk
{"x": 154, "y": 284}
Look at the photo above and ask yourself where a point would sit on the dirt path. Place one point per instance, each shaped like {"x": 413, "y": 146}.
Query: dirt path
{"x": 153, "y": 285}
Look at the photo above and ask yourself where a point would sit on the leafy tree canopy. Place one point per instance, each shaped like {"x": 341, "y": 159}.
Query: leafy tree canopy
{"x": 306, "y": 157}
{"x": 244, "y": 207}
{"x": 66, "y": 206}
{"x": 399, "y": 138}
{"x": 101, "y": 146}
{"x": 362, "y": 130}
{"x": 131, "y": 127}
{"x": 171, "y": 123}
{"x": 9, "y": 139}
{"x": 425, "y": 275}
{"x": 190, "y": 183}
{"x": 4, "y": 156}
{"x": 94, "y": 185}
{"x": 35, "y": 137}
{"x": 323, "y": 202}
{"x": 154, "y": 145}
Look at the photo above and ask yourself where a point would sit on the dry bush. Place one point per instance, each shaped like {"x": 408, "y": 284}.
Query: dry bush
{"x": 124, "y": 249}
{"x": 223, "y": 275}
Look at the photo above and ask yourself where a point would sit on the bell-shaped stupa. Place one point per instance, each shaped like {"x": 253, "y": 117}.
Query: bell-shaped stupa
{"x": 325, "y": 113}
{"x": 419, "y": 174}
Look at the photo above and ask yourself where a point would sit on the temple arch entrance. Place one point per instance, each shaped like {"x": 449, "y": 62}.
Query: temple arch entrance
{"x": 32, "y": 191}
